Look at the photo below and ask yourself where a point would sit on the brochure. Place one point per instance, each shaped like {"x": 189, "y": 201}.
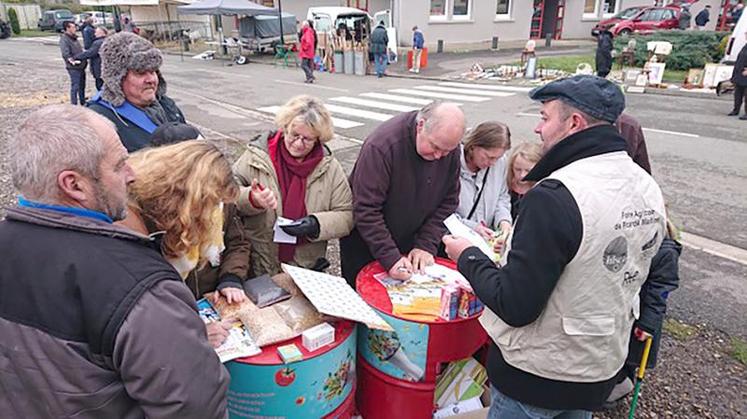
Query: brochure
{"x": 239, "y": 342}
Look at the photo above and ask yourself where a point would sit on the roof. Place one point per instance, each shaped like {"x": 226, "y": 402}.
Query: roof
{"x": 332, "y": 10}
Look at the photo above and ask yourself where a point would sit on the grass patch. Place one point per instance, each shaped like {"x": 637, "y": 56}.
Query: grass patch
{"x": 569, "y": 63}
{"x": 679, "y": 330}
{"x": 28, "y": 33}
{"x": 739, "y": 350}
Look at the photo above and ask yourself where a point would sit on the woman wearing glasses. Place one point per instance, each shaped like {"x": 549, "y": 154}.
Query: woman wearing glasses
{"x": 291, "y": 174}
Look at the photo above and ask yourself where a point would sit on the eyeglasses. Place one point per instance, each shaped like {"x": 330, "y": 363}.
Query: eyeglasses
{"x": 298, "y": 137}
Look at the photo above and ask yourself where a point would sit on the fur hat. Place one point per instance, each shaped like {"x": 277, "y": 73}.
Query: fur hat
{"x": 122, "y": 52}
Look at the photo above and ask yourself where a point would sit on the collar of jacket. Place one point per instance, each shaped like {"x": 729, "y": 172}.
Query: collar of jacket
{"x": 259, "y": 145}
{"x": 599, "y": 139}
{"x": 68, "y": 221}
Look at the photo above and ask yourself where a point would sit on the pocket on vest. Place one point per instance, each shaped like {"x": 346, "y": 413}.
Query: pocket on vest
{"x": 589, "y": 326}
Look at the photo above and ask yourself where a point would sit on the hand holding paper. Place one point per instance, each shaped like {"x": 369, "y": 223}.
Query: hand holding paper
{"x": 460, "y": 230}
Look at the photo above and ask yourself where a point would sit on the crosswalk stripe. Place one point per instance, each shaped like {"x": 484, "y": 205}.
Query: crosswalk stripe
{"x": 438, "y": 95}
{"x": 500, "y": 88}
{"x": 397, "y": 98}
{"x": 464, "y": 91}
{"x": 376, "y": 116}
{"x": 375, "y": 104}
{"x": 337, "y": 122}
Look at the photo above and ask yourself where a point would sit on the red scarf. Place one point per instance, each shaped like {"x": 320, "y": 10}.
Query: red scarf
{"x": 292, "y": 176}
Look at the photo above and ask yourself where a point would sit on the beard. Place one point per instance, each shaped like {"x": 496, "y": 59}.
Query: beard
{"x": 110, "y": 205}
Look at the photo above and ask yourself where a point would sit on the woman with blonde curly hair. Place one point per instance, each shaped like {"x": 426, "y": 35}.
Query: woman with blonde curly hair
{"x": 181, "y": 193}
{"x": 291, "y": 174}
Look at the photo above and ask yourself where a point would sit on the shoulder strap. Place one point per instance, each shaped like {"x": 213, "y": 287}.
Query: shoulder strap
{"x": 129, "y": 112}
{"x": 479, "y": 193}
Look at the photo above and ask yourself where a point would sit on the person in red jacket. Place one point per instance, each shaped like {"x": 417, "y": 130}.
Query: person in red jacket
{"x": 307, "y": 51}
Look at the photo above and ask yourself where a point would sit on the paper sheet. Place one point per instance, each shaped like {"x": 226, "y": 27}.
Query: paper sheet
{"x": 459, "y": 229}
{"x": 333, "y": 296}
{"x": 280, "y": 235}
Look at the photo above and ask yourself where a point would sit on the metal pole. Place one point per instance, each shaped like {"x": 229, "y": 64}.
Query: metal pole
{"x": 280, "y": 16}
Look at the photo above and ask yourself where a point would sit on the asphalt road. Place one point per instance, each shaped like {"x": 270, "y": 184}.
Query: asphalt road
{"x": 698, "y": 154}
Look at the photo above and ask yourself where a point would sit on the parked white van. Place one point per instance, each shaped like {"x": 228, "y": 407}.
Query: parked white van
{"x": 328, "y": 19}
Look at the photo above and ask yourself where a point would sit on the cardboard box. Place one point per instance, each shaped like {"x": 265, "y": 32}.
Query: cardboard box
{"x": 318, "y": 336}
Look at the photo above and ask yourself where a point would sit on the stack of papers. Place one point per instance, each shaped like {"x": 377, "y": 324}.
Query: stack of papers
{"x": 458, "y": 228}
{"x": 461, "y": 381}
{"x": 239, "y": 342}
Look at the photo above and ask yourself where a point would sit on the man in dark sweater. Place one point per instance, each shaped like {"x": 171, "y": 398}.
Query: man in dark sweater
{"x": 561, "y": 310}
{"x": 69, "y": 47}
{"x": 405, "y": 183}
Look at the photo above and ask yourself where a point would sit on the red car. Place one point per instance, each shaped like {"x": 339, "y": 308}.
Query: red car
{"x": 648, "y": 20}
{"x": 625, "y": 14}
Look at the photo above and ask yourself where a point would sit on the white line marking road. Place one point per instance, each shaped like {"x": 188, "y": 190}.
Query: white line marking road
{"x": 376, "y": 116}
{"x": 464, "y": 91}
{"x": 682, "y": 134}
{"x": 295, "y": 83}
{"x": 374, "y": 104}
{"x": 463, "y": 98}
{"x": 405, "y": 99}
{"x": 499, "y": 88}
{"x": 722, "y": 250}
{"x": 337, "y": 122}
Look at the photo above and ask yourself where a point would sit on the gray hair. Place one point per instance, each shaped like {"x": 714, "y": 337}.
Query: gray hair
{"x": 53, "y": 139}
{"x": 426, "y": 112}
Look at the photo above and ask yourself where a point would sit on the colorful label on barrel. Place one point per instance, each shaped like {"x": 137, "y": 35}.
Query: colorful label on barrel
{"x": 400, "y": 354}
{"x": 305, "y": 389}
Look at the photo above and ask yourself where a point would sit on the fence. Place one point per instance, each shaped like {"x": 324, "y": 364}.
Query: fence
{"x": 28, "y": 14}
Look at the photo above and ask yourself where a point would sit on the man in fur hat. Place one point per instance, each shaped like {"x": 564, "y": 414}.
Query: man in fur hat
{"x": 134, "y": 91}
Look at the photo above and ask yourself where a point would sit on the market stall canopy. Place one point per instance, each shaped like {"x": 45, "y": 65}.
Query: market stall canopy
{"x": 226, "y": 7}
{"x": 129, "y": 2}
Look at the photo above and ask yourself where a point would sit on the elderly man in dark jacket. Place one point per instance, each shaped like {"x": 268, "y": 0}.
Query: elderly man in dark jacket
{"x": 379, "y": 42}
{"x": 92, "y": 54}
{"x": 134, "y": 92}
{"x": 69, "y": 47}
{"x": 99, "y": 324}
{"x": 739, "y": 78}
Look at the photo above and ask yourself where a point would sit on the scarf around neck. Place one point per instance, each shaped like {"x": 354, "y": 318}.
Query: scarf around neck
{"x": 292, "y": 176}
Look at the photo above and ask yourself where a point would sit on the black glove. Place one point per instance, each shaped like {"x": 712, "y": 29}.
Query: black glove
{"x": 304, "y": 227}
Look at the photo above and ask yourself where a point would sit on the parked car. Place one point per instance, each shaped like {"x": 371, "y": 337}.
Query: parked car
{"x": 100, "y": 18}
{"x": 52, "y": 20}
{"x": 619, "y": 17}
{"x": 648, "y": 20}
{"x": 328, "y": 19}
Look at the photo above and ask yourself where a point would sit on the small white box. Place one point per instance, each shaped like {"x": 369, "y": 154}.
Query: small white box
{"x": 318, "y": 336}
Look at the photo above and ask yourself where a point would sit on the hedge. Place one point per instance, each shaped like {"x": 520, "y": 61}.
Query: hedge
{"x": 13, "y": 20}
{"x": 690, "y": 49}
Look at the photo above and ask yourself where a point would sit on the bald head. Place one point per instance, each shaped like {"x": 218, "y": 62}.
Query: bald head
{"x": 440, "y": 128}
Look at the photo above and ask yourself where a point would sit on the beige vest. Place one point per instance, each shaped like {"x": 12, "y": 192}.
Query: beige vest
{"x": 582, "y": 334}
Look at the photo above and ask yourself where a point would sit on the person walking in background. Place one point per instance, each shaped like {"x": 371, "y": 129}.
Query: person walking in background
{"x": 418, "y": 41}
{"x": 702, "y": 19}
{"x": 685, "y": 18}
{"x": 379, "y": 42}
{"x": 88, "y": 32}
{"x": 604, "y": 53}
{"x": 307, "y": 51}
{"x": 92, "y": 54}
{"x": 739, "y": 78}
{"x": 69, "y": 47}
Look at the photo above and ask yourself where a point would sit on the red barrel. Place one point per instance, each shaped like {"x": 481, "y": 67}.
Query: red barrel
{"x": 386, "y": 397}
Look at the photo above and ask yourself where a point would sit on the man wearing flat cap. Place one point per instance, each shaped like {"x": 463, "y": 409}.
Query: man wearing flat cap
{"x": 561, "y": 309}
{"x": 134, "y": 93}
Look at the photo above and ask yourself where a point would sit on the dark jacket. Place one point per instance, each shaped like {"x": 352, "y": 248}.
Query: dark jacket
{"x": 739, "y": 66}
{"x": 69, "y": 48}
{"x": 662, "y": 279}
{"x": 132, "y": 136}
{"x": 92, "y": 54}
{"x": 547, "y": 235}
{"x": 400, "y": 200}
{"x": 604, "y": 53}
{"x": 379, "y": 40}
{"x": 96, "y": 324}
{"x": 234, "y": 262}
{"x": 630, "y": 129}
{"x": 703, "y": 17}
{"x": 89, "y": 35}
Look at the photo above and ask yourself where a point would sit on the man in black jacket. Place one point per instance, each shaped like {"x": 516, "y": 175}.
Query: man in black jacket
{"x": 92, "y": 54}
{"x": 561, "y": 310}
{"x": 97, "y": 324}
{"x": 133, "y": 96}
{"x": 702, "y": 18}
{"x": 69, "y": 47}
{"x": 739, "y": 78}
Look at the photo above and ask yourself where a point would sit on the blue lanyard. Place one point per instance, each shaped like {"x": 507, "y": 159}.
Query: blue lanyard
{"x": 82, "y": 212}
